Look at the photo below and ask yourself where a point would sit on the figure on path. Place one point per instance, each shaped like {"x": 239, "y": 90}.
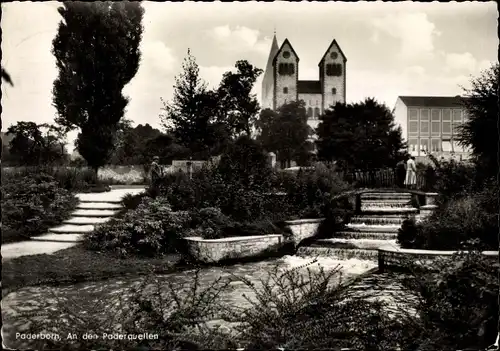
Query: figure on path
{"x": 401, "y": 173}
{"x": 156, "y": 174}
{"x": 411, "y": 173}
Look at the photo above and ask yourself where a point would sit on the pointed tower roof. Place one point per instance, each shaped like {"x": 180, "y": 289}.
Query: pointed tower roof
{"x": 274, "y": 50}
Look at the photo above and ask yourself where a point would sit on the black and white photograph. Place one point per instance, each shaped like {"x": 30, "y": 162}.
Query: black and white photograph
{"x": 250, "y": 175}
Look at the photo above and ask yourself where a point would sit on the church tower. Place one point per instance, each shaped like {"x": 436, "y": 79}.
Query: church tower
{"x": 286, "y": 75}
{"x": 268, "y": 79}
{"x": 332, "y": 76}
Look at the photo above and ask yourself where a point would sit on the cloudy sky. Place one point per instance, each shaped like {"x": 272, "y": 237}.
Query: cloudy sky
{"x": 392, "y": 48}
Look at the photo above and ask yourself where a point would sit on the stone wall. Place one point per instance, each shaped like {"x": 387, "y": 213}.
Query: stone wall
{"x": 303, "y": 229}
{"x": 215, "y": 250}
{"x": 397, "y": 258}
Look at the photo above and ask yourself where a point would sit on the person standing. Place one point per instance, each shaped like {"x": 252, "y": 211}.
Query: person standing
{"x": 411, "y": 173}
{"x": 156, "y": 174}
{"x": 401, "y": 173}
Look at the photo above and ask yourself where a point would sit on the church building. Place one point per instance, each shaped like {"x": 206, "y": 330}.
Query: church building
{"x": 281, "y": 82}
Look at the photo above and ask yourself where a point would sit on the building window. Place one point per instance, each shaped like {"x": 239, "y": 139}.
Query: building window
{"x": 334, "y": 55}
{"x": 457, "y": 115}
{"x": 316, "y": 112}
{"x": 413, "y": 146}
{"x": 413, "y": 127}
{"x": 413, "y": 114}
{"x": 446, "y": 145}
{"x": 435, "y": 145}
{"x": 285, "y": 90}
{"x": 309, "y": 112}
{"x": 286, "y": 54}
{"x": 424, "y": 146}
{"x": 456, "y": 146}
{"x": 446, "y": 128}
{"x": 334, "y": 69}
{"x": 424, "y": 121}
{"x": 334, "y": 91}
{"x": 286, "y": 69}
{"x": 435, "y": 122}
{"x": 317, "y": 102}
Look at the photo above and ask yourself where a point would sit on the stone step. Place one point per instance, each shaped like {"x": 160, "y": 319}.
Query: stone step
{"x": 93, "y": 213}
{"x": 381, "y": 228}
{"x": 366, "y": 235}
{"x": 386, "y": 197}
{"x": 377, "y": 220}
{"x": 341, "y": 254}
{"x": 71, "y": 229}
{"x": 343, "y": 243}
{"x": 384, "y": 204}
{"x": 395, "y": 210}
{"x": 61, "y": 238}
{"x": 98, "y": 206}
{"x": 388, "y": 201}
{"x": 87, "y": 220}
{"x": 111, "y": 201}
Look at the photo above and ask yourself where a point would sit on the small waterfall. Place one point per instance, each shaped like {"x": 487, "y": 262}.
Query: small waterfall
{"x": 341, "y": 254}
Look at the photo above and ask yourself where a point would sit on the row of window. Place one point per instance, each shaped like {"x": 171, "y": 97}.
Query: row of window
{"x": 334, "y": 69}
{"x": 286, "y": 69}
{"x": 334, "y": 92}
{"x": 437, "y": 115}
{"x": 433, "y": 128}
{"x": 313, "y": 113}
{"x": 433, "y": 145}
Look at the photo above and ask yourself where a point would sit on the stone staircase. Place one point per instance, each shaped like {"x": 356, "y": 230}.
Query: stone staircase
{"x": 93, "y": 209}
{"x": 377, "y": 224}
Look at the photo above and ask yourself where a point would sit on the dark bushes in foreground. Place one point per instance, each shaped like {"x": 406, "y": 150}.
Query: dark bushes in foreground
{"x": 32, "y": 204}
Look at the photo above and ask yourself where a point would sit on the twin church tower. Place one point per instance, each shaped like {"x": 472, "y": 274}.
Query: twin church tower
{"x": 281, "y": 82}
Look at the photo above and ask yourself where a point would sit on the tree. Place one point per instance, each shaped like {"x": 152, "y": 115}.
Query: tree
{"x": 97, "y": 54}
{"x": 360, "y": 135}
{"x": 285, "y": 132}
{"x": 6, "y": 77}
{"x": 36, "y": 144}
{"x": 191, "y": 115}
{"x": 238, "y": 106}
{"x": 480, "y": 132}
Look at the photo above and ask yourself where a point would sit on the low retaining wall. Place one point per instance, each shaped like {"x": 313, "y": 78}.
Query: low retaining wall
{"x": 397, "y": 258}
{"x": 215, "y": 250}
{"x": 303, "y": 229}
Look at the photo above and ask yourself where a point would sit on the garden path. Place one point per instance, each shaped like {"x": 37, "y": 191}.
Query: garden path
{"x": 94, "y": 208}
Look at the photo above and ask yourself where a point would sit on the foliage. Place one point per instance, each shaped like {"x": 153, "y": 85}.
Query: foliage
{"x": 6, "y": 77}
{"x": 97, "y": 54}
{"x": 238, "y": 107}
{"x": 460, "y": 223}
{"x": 480, "y": 132}
{"x": 151, "y": 229}
{"x": 32, "y": 204}
{"x": 360, "y": 135}
{"x": 35, "y": 144}
{"x": 191, "y": 116}
{"x": 285, "y": 132}
{"x": 458, "y": 305}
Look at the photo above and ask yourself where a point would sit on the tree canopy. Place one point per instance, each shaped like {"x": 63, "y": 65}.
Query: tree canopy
{"x": 360, "y": 135}
{"x": 97, "y": 54}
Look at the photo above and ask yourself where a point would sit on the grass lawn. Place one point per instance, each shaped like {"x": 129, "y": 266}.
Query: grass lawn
{"x": 77, "y": 264}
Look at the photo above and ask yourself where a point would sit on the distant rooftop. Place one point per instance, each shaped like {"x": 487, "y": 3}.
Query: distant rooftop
{"x": 432, "y": 101}
{"x": 309, "y": 87}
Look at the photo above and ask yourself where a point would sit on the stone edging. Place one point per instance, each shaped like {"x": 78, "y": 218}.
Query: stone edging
{"x": 232, "y": 238}
{"x": 396, "y": 257}
{"x": 304, "y": 221}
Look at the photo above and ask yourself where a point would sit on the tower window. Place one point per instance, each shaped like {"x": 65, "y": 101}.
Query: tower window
{"x": 285, "y": 90}
{"x": 286, "y": 54}
{"x": 334, "y": 91}
{"x": 334, "y": 69}
{"x": 309, "y": 112}
{"x": 316, "y": 112}
{"x": 334, "y": 55}
{"x": 286, "y": 69}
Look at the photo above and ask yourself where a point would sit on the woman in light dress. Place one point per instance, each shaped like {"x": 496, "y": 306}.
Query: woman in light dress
{"x": 411, "y": 173}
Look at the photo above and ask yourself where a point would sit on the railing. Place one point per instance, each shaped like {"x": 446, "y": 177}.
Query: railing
{"x": 377, "y": 178}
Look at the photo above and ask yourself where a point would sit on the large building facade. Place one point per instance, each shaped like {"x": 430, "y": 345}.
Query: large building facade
{"x": 430, "y": 125}
{"x": 281, "y": 82}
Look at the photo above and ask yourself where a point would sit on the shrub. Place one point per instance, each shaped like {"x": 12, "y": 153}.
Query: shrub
{"x": 458, "y": 305}
{"x": 151, "y": 229}
{"x": 457, "y": 224}
{"x": 32, "y": 204}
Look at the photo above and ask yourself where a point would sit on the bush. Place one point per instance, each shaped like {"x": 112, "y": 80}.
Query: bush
{"x": 458, "y": 306}
{"x": 458, "y": 224}
{"x": 151, "y": 229}
{"x": 32, "y": 204}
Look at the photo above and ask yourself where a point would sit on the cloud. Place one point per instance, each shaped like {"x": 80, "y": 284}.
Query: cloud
{"x": 156, "y": 55}
{"x": 461, "y": 62}
{"x": 414, "y": 31}
{"x": 240, "y": 39}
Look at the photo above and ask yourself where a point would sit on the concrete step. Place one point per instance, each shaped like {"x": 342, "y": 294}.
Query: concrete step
{"x": 71, "y": 229}
{"x": 388, "y": 201}
{"x": 381, "y": 228}
{"x": 98, "y": 206}
{"x": 394, "y": 210}
{"x": 61, "y": 238}
{"x": 87, "y": 220}
{"x": 384, "y": 204}
{"x": 366, "y": 235}
{"x": 112, "y": 201}
{"x": 94, "y": 213}
{"x": 386, "y": 196}
{"x": 377, "y": 220}
{"x": 343, "y": 243}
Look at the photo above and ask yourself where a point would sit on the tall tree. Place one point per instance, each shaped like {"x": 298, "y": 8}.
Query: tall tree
{"x": 191, "y": 115}
{"x": 285, "y": 132}
{"x": 480, "y": 132}
{"x": 238, "y": 105}
{"x": 360, "y": 135}
{"x": 97, "y": 54}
